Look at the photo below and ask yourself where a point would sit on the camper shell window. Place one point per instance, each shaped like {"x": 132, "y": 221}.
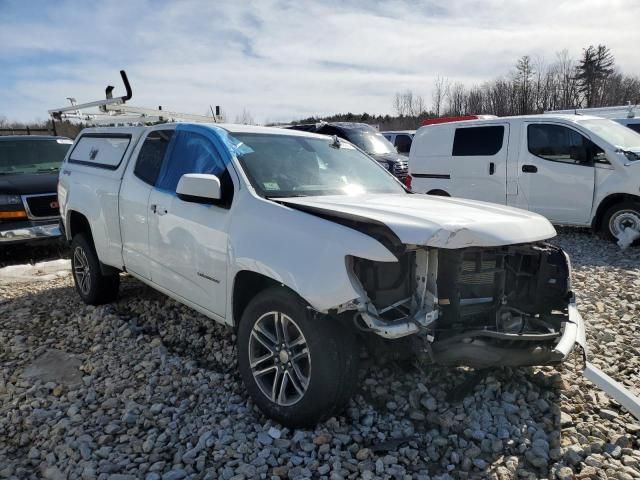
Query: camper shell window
{"x": 101, "y": 150}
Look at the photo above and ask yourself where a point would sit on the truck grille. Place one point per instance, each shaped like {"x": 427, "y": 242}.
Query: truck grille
{"x": 400, "y": 168}
{"x": 41, "y": 206}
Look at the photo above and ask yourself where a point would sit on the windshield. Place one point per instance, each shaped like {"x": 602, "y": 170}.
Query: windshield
{"x": 614, "y": 133}
{"x": 371, "y": 142}
{"x": 292, "y": 166}
{"x": 32, "y": 156}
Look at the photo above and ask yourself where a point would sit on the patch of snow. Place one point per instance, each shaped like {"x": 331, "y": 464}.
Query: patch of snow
{"x": 39, "y": 272}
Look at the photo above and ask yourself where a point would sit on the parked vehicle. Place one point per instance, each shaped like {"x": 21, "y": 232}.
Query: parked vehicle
{"x": 627, "y": 115}
{"x": 401, "y": 139}
{"x": 573, "y": 169}
{"x": 28, "y": 176}
{"x": 456, "y": 118}
{"x": 309, "y": 249}
{"x": 366, "y": 138}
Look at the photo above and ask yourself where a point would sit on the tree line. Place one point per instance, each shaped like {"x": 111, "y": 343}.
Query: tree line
{"x": 533, "y": 86}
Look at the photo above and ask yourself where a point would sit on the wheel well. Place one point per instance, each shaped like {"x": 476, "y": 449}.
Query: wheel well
{"x": 607, "y": 203}
{"x": 247, "y": 285}
{"x": 438, "y": 192}
{"x": 78, "y": 223}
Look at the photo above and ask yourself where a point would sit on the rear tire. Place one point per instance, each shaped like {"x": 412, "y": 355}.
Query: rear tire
{"x": 619, "y": 216}
{"x": 304, "y": 372}
{"x": 92, "y": 285}
{"x": 438, "y": 193}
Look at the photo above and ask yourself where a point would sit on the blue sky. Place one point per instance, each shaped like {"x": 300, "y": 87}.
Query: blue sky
{"x": 284, "y": 60}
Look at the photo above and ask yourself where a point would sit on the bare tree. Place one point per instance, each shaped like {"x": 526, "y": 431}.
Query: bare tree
{"x": 457, "y": 99}
{"x": 408, "y": 104}
{"x": 440, "y": 87}
{"x": 245, "y": 118}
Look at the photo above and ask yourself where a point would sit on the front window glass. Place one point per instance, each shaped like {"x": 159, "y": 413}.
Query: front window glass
{"x": 371, "y": 142}
{"x": 292, "y": 166}
{"x": 613, "y": 133}
{"x": 32, "y": 156}
{"x": 192, "y": 153}
{"x": 562, "y": 144}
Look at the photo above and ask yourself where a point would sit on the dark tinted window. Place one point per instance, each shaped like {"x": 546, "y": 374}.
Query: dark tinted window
{"x": 403, "y": 143}
{"x": 634, "y": 126}
{"x": 151, "y": 156}
{"x": 478, "y": 141}
{"x": 562, "y": 144}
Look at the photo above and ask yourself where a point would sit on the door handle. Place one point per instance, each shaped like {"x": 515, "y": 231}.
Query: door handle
{"x": 158, "y": 210}
{"x": 529, "y": 168}
{"x": 492, "y": 168}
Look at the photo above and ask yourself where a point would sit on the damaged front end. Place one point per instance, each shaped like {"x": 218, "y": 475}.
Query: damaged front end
{"x": 478, "y": 307}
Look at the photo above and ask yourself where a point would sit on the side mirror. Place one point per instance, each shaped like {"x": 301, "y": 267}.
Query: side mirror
{"x": 580, "y": 154}
{"x": 198, "y": 188}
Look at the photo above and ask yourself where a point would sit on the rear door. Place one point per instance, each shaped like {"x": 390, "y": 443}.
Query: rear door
{"x": 556, "y": 172}
{"x": 188, "y": 241}
{"x": 479, "y": 162}
{"x": 138, "y": 181}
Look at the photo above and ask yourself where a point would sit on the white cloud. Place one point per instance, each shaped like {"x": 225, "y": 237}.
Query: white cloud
{"x": 283, "y": 60}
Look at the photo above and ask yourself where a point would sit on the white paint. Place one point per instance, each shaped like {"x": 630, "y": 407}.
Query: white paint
{"x": 194, "y": 252}
{"x": 565, "y": 193}
{"x": 627, "y": 237}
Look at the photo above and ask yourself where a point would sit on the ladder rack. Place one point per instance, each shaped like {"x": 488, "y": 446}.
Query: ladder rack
{"x": 115, "y": 110}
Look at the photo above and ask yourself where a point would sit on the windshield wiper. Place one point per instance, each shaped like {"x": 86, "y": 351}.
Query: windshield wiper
{"x": 51, "y": 169}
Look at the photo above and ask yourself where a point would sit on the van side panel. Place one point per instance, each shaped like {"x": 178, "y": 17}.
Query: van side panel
{"x": 429, "y": 159}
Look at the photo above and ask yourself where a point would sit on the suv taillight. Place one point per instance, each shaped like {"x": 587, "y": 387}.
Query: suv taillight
{"x": 407, "y": 181}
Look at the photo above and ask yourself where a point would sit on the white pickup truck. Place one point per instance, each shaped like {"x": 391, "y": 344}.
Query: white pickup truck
{"x": 308, "y": 248}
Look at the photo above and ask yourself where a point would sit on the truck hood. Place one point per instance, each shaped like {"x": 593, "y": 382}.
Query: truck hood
{"x": 441, "y": 222}
{"x": 28, "y": 183}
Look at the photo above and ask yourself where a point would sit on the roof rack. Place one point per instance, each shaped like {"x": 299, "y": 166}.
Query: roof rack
{"x": 115, "y": 111}
{"x": 622, "y": 111}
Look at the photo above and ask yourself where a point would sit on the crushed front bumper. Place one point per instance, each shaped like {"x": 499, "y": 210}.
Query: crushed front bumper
{"x": 482, "y": 354}
{"x": 29, "y": 231}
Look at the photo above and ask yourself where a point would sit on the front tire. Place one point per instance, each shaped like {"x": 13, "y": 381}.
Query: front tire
{"x": 92, "y": 285}
{"x": 299, "y": 368}
{"x": 619, "y": 217}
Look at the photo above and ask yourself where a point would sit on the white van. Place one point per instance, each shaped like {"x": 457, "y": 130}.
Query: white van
{"x": 574, "y": 169}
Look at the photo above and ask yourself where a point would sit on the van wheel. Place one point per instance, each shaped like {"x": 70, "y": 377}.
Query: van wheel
{"x": 298, "y": 367}
{"x": 438, "y": 193}
{"x": 619, "y": 217}
{"x": 93, "y": 287}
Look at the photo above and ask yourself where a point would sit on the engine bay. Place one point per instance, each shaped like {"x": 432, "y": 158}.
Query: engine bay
{"x": 470, "y": 306}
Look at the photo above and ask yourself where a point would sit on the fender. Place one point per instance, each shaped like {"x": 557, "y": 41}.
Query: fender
{"x": 304, "y": 252}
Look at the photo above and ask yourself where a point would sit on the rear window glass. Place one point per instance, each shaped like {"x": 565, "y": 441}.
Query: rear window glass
{"x": 152, "y": 155}
{"x": 478, "y": 141}
{"x": 634, "y": 126}
{"x": 100, "y": 150}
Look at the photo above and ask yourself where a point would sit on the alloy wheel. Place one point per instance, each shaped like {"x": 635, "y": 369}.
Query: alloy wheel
{"x": 82, "y": 270}
{"x": 279, "y": 358}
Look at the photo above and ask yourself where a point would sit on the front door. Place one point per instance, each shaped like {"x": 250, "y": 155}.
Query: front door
{"x": 188, "y": 241}
{"x": 556, "y": 173}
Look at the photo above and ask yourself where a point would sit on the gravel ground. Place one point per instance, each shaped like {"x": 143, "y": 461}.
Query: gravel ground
{"x": 147, "y": 388}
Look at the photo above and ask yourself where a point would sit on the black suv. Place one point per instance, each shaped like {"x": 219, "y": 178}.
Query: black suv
{"x": 29, "y": 167}
{"x": 366, "y": 138}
